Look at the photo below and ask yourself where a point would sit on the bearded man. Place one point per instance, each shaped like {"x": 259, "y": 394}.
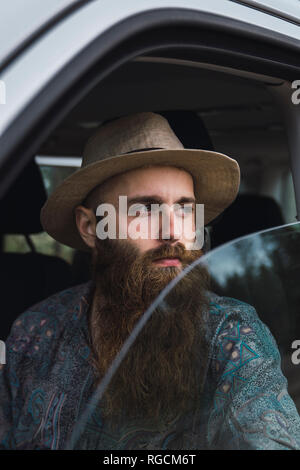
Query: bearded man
{"x": 203, "y": 373}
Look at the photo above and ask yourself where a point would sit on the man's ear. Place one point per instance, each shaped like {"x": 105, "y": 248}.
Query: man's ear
{"x": 86, "y": 224}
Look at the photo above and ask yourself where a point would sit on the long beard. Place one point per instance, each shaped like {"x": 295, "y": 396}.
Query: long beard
{"x": 162, "y": 375}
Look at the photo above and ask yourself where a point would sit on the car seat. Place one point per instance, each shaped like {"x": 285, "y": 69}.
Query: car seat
{"x": 26, "y": 278}
{"x": 249, "y": 213}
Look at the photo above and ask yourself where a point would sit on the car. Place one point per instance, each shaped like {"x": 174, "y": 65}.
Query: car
{"x": 67, "y": 66}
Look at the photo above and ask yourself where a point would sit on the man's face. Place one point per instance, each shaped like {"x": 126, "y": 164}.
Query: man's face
{"x": 144, "y": 187}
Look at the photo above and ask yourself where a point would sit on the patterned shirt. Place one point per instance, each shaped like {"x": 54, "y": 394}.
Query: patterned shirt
{"x": 47, "y": 382}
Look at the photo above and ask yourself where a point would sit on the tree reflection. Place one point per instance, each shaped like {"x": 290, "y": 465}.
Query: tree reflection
{"x": 264, "y": 271}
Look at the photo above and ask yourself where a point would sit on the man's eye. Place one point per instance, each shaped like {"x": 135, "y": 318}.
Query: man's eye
{"x": 148, "y": 207}
{"x": 186, "y": 210}
{"x": 140, "y": 209}
{"x": 145, "y": 209}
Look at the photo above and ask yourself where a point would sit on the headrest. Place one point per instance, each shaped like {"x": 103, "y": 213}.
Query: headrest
{"x": 20, "y": 207}
{"x": 249, "y": 213}
{"x": 189, "y": 128}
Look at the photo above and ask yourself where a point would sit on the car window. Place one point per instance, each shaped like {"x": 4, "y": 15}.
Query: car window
{"x": 44, "y": 244}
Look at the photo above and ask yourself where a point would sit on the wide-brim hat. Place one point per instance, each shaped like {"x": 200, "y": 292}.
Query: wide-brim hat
{"x": 129, "y": 143}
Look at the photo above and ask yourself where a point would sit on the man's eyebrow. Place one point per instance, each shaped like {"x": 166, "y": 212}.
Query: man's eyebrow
{"x": 153, "y": 199}
{"x": 183, "y": 200}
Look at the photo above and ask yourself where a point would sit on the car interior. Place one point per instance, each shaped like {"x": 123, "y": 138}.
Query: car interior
{"x": 207, "y": 107}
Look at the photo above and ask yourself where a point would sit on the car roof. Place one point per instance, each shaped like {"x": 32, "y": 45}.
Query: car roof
{"x": 21, "y": 20}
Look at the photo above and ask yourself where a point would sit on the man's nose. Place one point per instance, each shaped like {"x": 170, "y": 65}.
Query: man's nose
{"x": 168, "y": 229}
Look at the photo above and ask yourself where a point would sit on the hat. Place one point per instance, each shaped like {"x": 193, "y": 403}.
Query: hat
{"x": 128, "y": 143}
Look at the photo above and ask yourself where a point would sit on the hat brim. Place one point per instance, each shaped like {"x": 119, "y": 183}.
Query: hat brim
{"x": 216, "y": 183}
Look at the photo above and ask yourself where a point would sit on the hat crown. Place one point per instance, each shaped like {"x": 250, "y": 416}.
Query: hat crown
{"x": 131, "y": 133}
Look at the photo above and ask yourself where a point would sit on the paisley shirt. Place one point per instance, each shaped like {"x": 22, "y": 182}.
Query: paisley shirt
{"x": 47, "y": 382}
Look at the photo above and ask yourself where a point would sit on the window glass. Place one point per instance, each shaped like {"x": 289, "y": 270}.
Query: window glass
{"x": 261, "y": 270}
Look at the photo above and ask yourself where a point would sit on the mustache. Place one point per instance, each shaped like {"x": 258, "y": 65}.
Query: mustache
{"x": 172, "y": 251}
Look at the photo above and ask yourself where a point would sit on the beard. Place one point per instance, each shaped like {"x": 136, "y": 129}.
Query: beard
{"x": 161, "y": 377}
